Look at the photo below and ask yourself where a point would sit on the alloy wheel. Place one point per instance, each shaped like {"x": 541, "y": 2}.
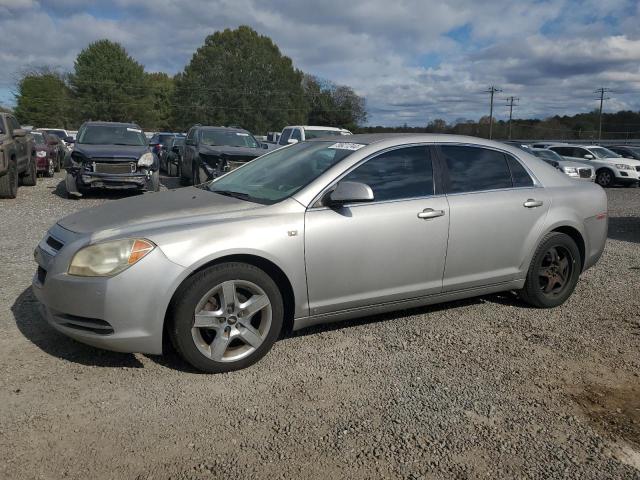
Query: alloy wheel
{"x": 604, "y": 178}
{"x": 231, "y": 321}
{"x": 555, "y": 270}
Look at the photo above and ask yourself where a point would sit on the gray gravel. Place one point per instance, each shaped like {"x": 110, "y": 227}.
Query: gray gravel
{"x": 485, "y": 388}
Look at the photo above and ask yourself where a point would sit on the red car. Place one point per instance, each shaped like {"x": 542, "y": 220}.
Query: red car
{"x": 46, "y": 151}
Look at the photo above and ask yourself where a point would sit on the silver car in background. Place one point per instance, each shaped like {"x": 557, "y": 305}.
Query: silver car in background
{"x": 319, "y": 231}
{"x": 576, "y": 170}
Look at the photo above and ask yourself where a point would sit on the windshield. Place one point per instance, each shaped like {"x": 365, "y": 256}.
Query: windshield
{"x": 38, "y": 137}
{"x": 228, "y": 138}
{"x": 57, "y": 133}
{"x": 601, "y": 152}
{"x": 111, "y": 135}
{"x": 278, "y": 175}
{"x": 309, "y": 134}
{"x": 548, "y": 155}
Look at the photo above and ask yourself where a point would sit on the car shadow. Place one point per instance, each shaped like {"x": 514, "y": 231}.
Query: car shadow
{"x": 626, "y": 229}
{"x": 36, "y": 329}
{"x": 60, "y": 190}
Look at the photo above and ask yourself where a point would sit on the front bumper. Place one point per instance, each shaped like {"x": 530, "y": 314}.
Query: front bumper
{"x": 123, "y": 313}
{"x": 114, "y": 180}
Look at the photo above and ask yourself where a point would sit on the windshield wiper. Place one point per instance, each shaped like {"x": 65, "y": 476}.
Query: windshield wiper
{"x": 229, "y": 193}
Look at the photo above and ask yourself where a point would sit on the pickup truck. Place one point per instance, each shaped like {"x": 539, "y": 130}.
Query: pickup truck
{"x": 300, "y": 133}
{"x": 17, "y": 162}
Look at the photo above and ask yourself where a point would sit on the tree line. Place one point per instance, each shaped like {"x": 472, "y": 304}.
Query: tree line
{"x": 237, "y": 77}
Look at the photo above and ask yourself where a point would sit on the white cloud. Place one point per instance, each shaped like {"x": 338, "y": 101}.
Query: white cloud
{"x": 550, "y": 53}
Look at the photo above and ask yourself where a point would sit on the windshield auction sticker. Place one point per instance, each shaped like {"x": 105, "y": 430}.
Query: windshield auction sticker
{"x": 347, "y": 146}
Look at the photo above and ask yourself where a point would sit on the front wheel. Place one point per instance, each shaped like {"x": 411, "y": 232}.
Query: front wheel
{"x": 553, "y": 273}
{"x": 9, "y": 181}
{"x": 605, "y": 178}
{"x": 226, "y": 317}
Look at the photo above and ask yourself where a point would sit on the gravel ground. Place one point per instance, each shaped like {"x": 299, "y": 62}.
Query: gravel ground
{"x": 484, "y": 388}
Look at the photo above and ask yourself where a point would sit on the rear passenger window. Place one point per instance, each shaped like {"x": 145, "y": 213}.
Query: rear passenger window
{"x": 519, "y": 175}
{"x": 474, "y": 169}
{"x": 398, "y": 174}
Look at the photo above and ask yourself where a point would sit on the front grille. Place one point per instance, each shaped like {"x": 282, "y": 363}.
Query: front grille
{"x": 86, "y": 324}
{"x": 54, "y": 243}
{"x": 42, "y": 275}
{"x": 115, "y": 168}
{"x": 585, "y": 172}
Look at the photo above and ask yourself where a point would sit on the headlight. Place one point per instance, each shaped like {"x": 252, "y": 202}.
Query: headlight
{"x": 41, "y": 154}
{"x": 109, "y": 258}
{"x": 146, "y": 160}
{"x": 570, "y": 170}
{"x": 622, "y": 166}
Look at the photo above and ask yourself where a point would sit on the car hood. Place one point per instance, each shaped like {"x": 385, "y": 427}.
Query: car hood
{"x": 154, "y": 210}
{"x": 222, "y": 150}
{"x": 108, "y": 152}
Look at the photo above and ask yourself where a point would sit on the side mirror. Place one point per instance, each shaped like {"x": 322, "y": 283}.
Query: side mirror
{"x": 189, "y": 142}
{"x": 19, "y": 132}
{"x": 70, "y": 139}
{"x": 349, "y": 192}
{"x": 588, "y": 156}
{"x": 174, "y": 149}
{"x": 265, "y": 146}
{"x": 291, "y": 141}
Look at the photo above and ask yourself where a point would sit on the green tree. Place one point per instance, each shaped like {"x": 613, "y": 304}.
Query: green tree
{"x": 109, "y": 85}
{"x": 161, "y": 88}
{"x": 239, "y": 77}
{"x": 333, "y": 105}
{"x": 43, "y": 99}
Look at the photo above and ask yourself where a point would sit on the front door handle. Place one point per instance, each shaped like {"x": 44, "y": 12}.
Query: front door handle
{"x": 531, "y": 203}
{"x": 430, "y": 213}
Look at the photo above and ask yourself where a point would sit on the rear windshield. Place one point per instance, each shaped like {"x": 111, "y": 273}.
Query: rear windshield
{"x": 38, "y": 137}
{"x": 111, "y": 135}
{"x": 309, "y": 134}
{"x": 57, "y": 133}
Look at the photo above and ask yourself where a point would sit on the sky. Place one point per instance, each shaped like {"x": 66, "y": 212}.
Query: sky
{"x": 413, "y": 61}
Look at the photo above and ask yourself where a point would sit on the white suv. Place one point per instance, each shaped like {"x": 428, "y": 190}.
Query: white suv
{"x": 300, "y": 133}
{"x": 611, "y": 168}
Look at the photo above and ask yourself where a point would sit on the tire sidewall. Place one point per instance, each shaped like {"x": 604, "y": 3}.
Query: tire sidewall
{"x": 611, "y": 178}
{"x": 534, "y": 295}
{"x": 192, "y": 291}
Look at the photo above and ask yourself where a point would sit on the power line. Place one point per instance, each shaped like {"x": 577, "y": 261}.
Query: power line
{"x": 601, "y": 91}
{"x": 511, "y": 103}
{"x": 492, "y": 90}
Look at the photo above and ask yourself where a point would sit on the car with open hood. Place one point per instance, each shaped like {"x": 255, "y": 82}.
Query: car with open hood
{"x": 315, "y": 232}
{"x": 111, "y": 155}
{"x": 211, "y": 151}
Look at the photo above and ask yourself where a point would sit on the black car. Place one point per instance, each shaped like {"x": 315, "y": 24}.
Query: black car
{"x": 159, "y": 142}
{"x": 111, "y": 155}
{"x": 211, "y": 151}
{"x": 626, "y": 151}
{"x": 171, "y": 161}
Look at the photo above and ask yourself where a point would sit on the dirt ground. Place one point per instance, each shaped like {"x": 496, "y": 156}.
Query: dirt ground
{"x": 482, "y": 388}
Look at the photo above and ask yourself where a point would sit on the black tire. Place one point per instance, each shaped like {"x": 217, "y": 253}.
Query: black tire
{"x": 9, "y": 181}
{"x": 192, "y": 291}
{"x": 549, "y": 285}
{"x": 155, "y": 181}
{"x": 605, "y": 178}
{"x": 184, "y": 181}
{"x": 30, "y": 177}
{"x": 51, "y": 169}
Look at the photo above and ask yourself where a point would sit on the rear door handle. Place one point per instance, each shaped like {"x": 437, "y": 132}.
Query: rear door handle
{"x": 531, "y": 203}
{"x": 430, "y": 213}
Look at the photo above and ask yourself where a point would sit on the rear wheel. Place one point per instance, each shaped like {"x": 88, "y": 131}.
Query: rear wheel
{"x": 30, "y": 177}
{"x": 553, "y": 273}
{"x": 9, "y": 181}
{"x": 226, "y": 317}
{"x": 605, "y": 178}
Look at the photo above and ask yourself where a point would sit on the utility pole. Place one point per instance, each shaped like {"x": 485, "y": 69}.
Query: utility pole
{"x": 511, "y": 102}
{"x": 601, "y": 91}
{"x": 492, "y": 90}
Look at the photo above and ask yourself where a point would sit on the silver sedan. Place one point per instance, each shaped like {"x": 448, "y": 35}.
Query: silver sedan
{"x": 320, "y": 231}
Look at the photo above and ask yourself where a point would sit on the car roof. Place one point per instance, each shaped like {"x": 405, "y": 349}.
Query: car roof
{"x": 371, "y": 138}
{"x": 318, "y": 127}
{"x": 222, "y": 129}
{"x": 118, "y": 124}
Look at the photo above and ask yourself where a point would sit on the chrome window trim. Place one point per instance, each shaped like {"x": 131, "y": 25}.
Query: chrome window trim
{"x": 364, "y": 160}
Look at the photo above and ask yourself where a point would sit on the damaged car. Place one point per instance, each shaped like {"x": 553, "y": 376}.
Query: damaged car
{"x": 111, "y": 155}
{"x": 211, "y": 151}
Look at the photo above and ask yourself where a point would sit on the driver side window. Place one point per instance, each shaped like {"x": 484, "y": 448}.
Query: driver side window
{"x": 398, "y": 174}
